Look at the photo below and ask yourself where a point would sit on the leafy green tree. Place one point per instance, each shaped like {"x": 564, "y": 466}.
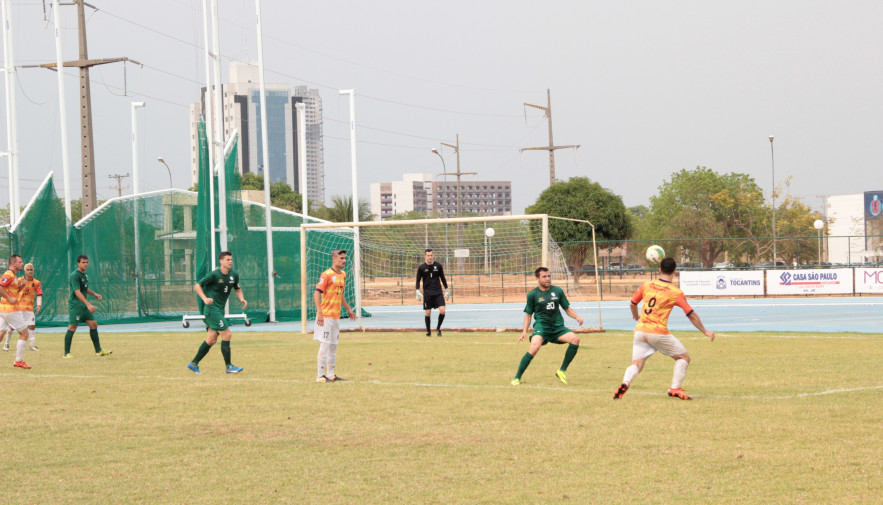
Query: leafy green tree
{"x": 580, "y": 198}
{"x": 700, "y": 204}
{"x": 281, "y": 194}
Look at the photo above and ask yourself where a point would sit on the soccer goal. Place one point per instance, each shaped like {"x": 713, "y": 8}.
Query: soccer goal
{"x": 488, "y": 261}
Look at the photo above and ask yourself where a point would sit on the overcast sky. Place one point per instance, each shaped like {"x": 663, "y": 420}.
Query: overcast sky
{"x": 645, "y": 87}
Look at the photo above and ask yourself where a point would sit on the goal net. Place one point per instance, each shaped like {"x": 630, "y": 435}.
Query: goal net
{"x": 487, "y": 261}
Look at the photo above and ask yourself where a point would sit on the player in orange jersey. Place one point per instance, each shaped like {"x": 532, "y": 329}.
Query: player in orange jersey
{"x": 651, "y": 334}
{"x": 12, "y": 317}
{"x": 328, "y": 297}
{"x": 30, "y": 302}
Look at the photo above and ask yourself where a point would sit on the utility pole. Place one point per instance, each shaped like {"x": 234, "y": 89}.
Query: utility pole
{"x": 458, "y": 173}
{"x": 552, "y": 147}
{"x": 119, "y": 179}
{"x": 87, "y": 152}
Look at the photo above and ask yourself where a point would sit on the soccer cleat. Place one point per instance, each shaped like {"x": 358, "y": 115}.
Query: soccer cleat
{"x": 562, "y": 376}
{"x": 438, "y": 333}
{"x": 21, "y": 364}
{"x": 6, "y": 346}
{"x": 516, "y": 382}
{"x": 33, "y": 348}
{"x": 336, "y": 379}
{"x": 194, "y": 368}
{"x": 621, "y": 391}
{"x": 678, "y": 393}
{"x": 103, "y": 353}
{"x": 322, "y": 379}
{"x": 67, "y": 356}
{"x": 231, "y": 368}
{"x": 428, "y": 333}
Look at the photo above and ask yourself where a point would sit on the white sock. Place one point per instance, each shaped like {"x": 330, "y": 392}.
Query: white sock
{"x": 323, "y": 353}
{"x": 332, "y": 359}
{"x": 32, "y": 337}
{"x": 680, "y": 373}
{"x": 20, "y": 346}
{"x": 630, "y": 374}
{"x": 8, "y": 336}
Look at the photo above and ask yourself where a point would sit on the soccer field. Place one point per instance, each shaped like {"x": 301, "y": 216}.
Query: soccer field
{"x": 775, "y": 418}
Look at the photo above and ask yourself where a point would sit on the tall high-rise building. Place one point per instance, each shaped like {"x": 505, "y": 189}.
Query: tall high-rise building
{"x": 242, "y": 112}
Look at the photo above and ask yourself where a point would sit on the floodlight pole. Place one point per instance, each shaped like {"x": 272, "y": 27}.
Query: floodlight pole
{"x": 357, "y": 256}
{"x": 137, "y": 191}
{"x": 11, "y": 123}
{"x": 773, "y": 163}
{"x": 302, "y": 155}
{"x": 265, "y": 148}
{"x": 65, "y": 163}
{"x": 209, "y": 136}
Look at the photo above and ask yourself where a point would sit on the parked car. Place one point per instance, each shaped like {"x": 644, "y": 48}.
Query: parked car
{"x": 633, "y": 267}
{"x": 587, "y": 269}
{"x": 723, "y": 265}
{"x": 614, "y": 265}
{"x": 770, "y": 264}
{"x": 690, "y": 265}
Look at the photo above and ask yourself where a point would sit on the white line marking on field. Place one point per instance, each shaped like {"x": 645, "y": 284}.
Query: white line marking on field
{"x": 239, "y": 378}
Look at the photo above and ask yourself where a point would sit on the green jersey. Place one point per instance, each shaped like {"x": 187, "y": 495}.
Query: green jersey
{"x": 79, "y": 282}
{"x": 544, "y": 305}
{"x": 218, "y": 286}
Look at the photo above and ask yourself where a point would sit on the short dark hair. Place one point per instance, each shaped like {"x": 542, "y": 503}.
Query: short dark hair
{"x": 538, "y": 270}
{"x": 337, "y": 252}
{"x": 426, "y": 251}
{"x": 224, "y": 254}
{"x": 667, "y": 265}
{"x": 12, "y": 258}
{"x": 82, "y": 257}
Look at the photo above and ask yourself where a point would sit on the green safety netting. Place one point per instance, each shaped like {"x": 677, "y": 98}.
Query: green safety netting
{"x": 154, "y": 280}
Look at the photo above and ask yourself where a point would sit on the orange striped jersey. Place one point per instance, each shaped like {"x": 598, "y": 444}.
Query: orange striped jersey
{"x": 331, "y": 286}
{"x": 658, "y": 298}
{"x": 12, "y": 286}
{"x": 30, "y": 289}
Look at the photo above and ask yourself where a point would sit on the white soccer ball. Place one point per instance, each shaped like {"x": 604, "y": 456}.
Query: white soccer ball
{"x": 655, "y": 254}
{"x": 489, "y": 232}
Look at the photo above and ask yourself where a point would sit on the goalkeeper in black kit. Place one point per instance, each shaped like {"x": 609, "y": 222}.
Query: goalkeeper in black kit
{"x": 433, "y": 276}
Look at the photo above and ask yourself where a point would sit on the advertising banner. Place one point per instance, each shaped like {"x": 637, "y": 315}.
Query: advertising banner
{"x": 869, "y": 280}
{"x": 873, "y": 205}
{"x": 823, "y": 281}
{"x": 721, "y": 283}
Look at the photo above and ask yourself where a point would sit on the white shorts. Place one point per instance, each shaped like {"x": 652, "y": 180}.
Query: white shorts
{"x": 645, "y": 344}
{"x": 30, "y": 318}
{"x": 14, "y": 320}
{"x": 329, "y": 332}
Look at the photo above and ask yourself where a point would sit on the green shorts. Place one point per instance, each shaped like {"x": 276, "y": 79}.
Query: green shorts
{"x": 214, "y": 319}
{"x": 551, "y": 336}
{"x": 78, "y": 314}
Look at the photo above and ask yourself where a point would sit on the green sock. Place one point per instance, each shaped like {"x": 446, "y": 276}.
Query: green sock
{"x": 523, "y": 365}
{"x": 93, "y": 334}
{"x": 203, "y": 350}
{"x": 225, "y": 351}
{"x": 569, "y": 355}
{"x": 68, "y": 338}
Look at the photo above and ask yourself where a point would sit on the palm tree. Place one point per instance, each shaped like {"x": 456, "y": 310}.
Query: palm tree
{"x": 341, "y": 210}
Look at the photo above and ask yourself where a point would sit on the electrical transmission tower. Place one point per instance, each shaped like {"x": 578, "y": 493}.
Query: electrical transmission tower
{"x": 551, "y": 147}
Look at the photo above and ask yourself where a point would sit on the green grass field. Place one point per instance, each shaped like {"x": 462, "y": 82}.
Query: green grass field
{"x": 792, "y": 418}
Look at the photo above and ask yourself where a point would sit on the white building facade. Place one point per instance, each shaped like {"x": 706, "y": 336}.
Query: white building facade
{"x": 854, "y": 228}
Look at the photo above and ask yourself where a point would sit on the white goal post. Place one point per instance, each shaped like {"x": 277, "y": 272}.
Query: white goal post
{"x": 387, "y": 255}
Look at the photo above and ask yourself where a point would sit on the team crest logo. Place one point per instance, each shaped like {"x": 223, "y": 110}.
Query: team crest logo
{"x": 874, "y": 207}
{"x": 554, "y": 296}
{"x": 231, "y": 278}
{"x": 333, "y": 278}
{"x": 721, "y": 282}
{"x": 435, "y": 268}
{"x": 785, "y": 278}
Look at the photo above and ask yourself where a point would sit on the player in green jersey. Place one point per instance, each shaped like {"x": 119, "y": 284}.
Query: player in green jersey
{"x": 543, "y": 303}
{"x": 79, "y": 309}
{"x": 214, "y": 290}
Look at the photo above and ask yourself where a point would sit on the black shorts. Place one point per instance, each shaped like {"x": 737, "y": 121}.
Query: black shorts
{"x": 433, "y": 301}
